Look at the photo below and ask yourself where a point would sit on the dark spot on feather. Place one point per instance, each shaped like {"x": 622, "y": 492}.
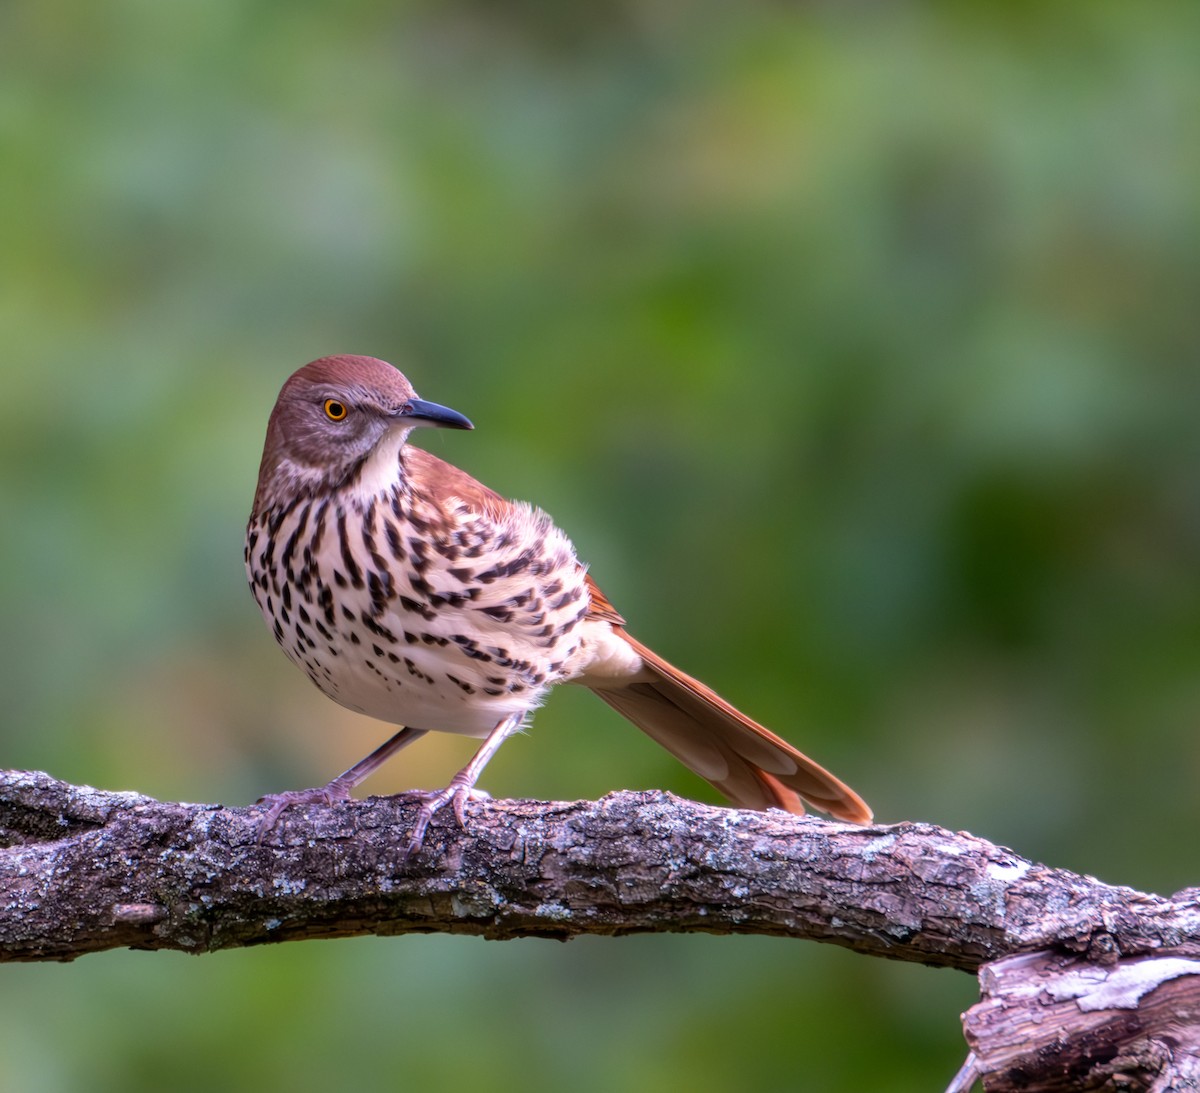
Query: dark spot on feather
{"x": 352, "y": 569}
{"x": 378, "y": 630}
{"x": 393, "y": 537}
{"x": 566, "y": 598}
{"x": 416, "y": 607}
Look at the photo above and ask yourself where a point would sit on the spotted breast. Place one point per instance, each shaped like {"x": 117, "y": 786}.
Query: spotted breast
{"x": 444, "y": 609}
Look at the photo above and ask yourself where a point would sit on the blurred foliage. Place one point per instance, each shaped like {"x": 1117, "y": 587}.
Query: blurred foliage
{"x": 855, "y": 344}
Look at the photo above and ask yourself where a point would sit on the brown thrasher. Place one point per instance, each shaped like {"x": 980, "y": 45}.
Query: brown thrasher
{"x": 412, "y": 593}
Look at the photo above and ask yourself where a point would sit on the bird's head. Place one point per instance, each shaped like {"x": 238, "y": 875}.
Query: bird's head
{"x": 333, "y": 418}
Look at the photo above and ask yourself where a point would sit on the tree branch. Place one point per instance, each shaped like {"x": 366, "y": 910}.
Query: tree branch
{"x": 83, "y": 870}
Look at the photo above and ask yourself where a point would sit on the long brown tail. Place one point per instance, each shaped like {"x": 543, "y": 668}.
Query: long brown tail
{"x": 752, "y": 766}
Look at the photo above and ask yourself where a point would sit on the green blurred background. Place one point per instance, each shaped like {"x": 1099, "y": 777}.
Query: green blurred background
{"x": 855, "y": 344}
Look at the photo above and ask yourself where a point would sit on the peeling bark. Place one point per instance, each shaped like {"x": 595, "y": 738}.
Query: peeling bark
{"x": 1049, "y": 1023}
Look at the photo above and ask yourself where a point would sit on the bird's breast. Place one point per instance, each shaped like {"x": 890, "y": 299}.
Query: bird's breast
{"x": 433, "y": 613}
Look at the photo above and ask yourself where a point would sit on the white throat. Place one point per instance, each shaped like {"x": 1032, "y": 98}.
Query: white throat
{"x": 381, "y": 470}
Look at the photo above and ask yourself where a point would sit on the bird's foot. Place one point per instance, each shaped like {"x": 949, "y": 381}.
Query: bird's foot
{"x": 278, "y": 803}
{"x": 457, "y": 793}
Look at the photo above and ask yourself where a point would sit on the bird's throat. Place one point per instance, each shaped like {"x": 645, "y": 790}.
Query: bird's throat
{"x": 382, "y": 470}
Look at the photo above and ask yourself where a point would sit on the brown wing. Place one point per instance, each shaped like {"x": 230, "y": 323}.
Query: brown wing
{"x": 441, "y": 479}
{"x": 752, "y": 766}
{"x": 601, "y": 609}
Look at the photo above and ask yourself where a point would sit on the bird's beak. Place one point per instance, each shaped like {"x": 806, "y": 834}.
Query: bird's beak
{"x": 430, "y": 413}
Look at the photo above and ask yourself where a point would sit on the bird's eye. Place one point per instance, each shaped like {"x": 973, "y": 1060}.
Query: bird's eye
{"x": 334, "y": 410}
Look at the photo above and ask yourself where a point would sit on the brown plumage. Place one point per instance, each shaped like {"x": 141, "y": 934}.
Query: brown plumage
{"x": 411, "y": 592}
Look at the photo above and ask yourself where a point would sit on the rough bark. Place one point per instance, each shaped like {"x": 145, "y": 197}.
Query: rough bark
{"x": 1054, "y": 1023}
{"x": 83, "y": 870}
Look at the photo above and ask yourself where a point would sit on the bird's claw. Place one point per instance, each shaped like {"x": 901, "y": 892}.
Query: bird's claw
{"x": 457, "y": 794}
{"x": 278, "y": 803}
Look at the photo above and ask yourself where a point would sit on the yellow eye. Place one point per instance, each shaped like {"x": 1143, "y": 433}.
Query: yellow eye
{"x": 334, "y": 410}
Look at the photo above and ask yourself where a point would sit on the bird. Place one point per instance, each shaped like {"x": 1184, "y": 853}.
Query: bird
{"x": 410, "y": 592}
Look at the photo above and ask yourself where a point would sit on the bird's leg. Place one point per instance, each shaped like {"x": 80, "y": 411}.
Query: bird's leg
{"x": 336, "y": 789}
{"x": 462, "y": 786}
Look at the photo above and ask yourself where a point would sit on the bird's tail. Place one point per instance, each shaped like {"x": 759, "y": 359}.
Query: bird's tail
{"x": 752, "y": 766}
